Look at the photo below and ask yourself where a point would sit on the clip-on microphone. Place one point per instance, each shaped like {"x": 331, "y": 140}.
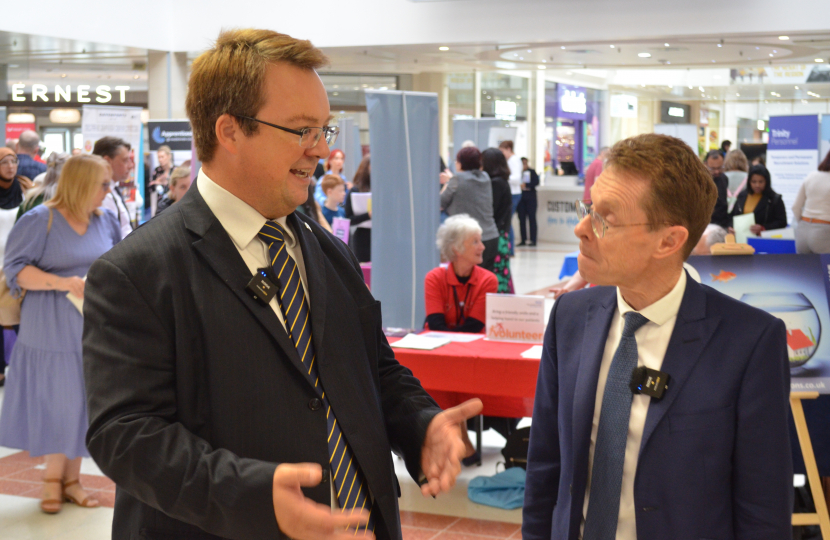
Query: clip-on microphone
{"x": 649, "y": 382}
{"x": 263, "y": 287}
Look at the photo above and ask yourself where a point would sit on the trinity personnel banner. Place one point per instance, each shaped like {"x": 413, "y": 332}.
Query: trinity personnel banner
{"x": 794, "y": 288}
{"x": 792, "y": 154}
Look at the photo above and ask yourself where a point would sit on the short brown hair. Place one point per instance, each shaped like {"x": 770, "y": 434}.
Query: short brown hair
{"x": 330, "y": 181}
{"x": 682, "y": 192}
{"x": 108, "y": 146}
{"x": 229, "y": 79}
{"x": 736, "y": 161}
{"x": 506, "y": 144}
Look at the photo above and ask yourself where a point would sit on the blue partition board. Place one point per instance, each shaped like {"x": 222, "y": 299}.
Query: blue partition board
{"x": 403, "y": 137}
{"x": 772, "y": 245}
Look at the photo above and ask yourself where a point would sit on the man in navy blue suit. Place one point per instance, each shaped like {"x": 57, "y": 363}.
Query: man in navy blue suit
{"x": 709, "y": 457}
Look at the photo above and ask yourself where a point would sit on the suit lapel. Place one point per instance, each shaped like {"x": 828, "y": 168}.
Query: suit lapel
{"x": 692, "y": 331}
{"x": 597, "y": 324}
{"x": 221, "y": 255}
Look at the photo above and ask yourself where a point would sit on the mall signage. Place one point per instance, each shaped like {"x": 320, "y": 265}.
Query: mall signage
{"x": 674, "y": 113}
{"x": 83, "y": 93}
{"x": 573, "y": 103}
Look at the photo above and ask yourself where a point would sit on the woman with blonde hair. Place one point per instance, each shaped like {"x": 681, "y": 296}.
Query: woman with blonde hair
{"x": 48, "y": 254}
{"x": 735, "y": 167}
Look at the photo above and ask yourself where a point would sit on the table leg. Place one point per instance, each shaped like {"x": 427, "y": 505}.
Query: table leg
{"x": 479, "y": 429}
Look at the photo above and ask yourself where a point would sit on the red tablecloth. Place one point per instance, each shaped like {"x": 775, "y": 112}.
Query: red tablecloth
{"x": 491, "y": 370}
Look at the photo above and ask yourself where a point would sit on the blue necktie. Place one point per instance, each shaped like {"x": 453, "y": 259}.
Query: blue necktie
{"x": 349, "y": 484}
{"x": 612, "y": 434}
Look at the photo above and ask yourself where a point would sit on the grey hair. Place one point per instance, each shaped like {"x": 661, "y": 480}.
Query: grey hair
{"x": 714, "y": 234}
{"x": 453, "y": 233}
{"x": 468, "y": 143}
{"x": 28, "y": 141}
{"x": 54, "y": 164}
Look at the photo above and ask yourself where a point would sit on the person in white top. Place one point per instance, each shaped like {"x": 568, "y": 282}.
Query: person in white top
{"x": 515, "y": 181}
{"x": 614, "y": 455}
{"x": 116, "y": 152}
{"x": 811, "y": 211}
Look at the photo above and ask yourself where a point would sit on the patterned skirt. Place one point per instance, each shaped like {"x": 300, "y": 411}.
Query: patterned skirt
{"x": 502, "y": 266}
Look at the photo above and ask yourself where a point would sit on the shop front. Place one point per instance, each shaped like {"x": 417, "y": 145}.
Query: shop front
{"x": 572, "y": 127}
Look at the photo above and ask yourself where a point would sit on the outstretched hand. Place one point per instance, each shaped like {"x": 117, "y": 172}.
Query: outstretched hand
{"x": 445, "y": 445}
{"x": 303, "y": 519}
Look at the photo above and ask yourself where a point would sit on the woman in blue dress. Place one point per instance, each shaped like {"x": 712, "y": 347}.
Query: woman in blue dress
{"x": 48, "y": 253}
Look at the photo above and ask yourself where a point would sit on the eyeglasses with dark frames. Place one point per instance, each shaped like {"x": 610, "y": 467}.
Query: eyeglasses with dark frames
{"x": 309, "y": 136}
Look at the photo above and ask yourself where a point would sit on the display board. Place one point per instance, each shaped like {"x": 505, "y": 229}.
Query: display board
{"x": 403, "y": 137}
{"x": 794, "y": 288}
{"x": 471, "y": 129}
{"x": 349, "y": 142}
{"x": 685, "y": 132}
{"x": 792, "y": 154}
{"x": 177, "y": 134}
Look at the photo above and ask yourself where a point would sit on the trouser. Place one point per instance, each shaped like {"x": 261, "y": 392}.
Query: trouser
{"x": 812, "y": 238}
{"x": 511, "y": 237}
{"x": 527, "y": 213}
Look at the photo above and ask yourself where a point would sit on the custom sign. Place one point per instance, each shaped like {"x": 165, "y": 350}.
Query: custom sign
{"x": 515, "y": 318}
{"x": 674, "y": 113}
{"x": 794, "y": 288}
{"x": 792, "y": 154}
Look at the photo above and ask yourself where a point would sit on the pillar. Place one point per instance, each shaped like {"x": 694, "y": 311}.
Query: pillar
{"x": 167, "y": 84}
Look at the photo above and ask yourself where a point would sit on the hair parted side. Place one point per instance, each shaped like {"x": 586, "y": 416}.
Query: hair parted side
{"x": 229, "y": 79}
{"x": 681, "y": 190}
{"x": 81, "y": 179}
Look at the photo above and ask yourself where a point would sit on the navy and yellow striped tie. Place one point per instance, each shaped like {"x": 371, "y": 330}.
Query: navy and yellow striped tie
{"x": 349, "y": 484}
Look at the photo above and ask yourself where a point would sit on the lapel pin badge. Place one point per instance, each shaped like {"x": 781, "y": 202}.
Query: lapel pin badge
{"x": 306, "y": 225}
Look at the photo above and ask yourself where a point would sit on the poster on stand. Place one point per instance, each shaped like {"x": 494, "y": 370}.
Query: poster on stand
{"x": 176, "y": 135}
{"x": 516, "y": 318}
{"x": 794, "y": 288}
{"x": 792, "y": 154}
{"x": 124, "y": 123}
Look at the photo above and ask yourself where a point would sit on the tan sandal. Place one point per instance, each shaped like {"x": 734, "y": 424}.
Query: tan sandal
{"x": 88, "y": 501}
{"x": 52, "y": 509}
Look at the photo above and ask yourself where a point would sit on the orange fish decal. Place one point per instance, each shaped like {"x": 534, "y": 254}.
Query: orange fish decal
{"x": 724, "y": 276}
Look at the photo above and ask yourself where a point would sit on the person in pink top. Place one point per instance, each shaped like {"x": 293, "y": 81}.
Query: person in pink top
{"x": 593, "y": 171}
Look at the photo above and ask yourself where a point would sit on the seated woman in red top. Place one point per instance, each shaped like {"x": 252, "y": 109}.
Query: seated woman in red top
{"x": 456, "y": 295}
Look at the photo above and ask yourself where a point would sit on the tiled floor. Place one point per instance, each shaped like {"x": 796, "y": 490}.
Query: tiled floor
{"x": 449, "y": 517}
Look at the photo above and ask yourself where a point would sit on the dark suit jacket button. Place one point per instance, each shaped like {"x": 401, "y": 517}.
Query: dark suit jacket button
{"x": 315, "y": 404}
{"x": 325, "y": 474}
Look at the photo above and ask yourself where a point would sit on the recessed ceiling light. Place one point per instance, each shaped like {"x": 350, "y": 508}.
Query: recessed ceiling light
{"x": 776, "y": 52}
{"x": 518, "y": 97}
{"x": 737, "y": 94}
{"x": 562, "y": 47}
{"x": 612, "y": 46}
{"x": 757, "y": 48}
{"x": 529, "y": 51}
{"x": 796, "y": 88}
{"x": 643, "y": 85}
{"x": 515, "y": 54}
{"x": 135, "y": 77}
{"x": 783, "y": 38}
{"x": 713, "y": 61}
{"x": 443, "y": 48}
{"x": 769, "y": 54}
{"x": 336, "y": 86}
{"x": 541, "y": 67}
{"x": 766, "y": 101}
{"x": 644, "y": 55}
{"x": 701, "y": 88}
{"x": 365, "y": 86}
{"x": 665, "y": 44}
{"x": 63, "y": 75}
{"x": 521, "y": 58}
{"x": 690, "y": 87}
{"x": 819, "y": 60}
{"x": 668, "y": 62}
{"x": 720, "y": 44}
{"x": 335, "y": 93}
{"x": 544, "y": 61}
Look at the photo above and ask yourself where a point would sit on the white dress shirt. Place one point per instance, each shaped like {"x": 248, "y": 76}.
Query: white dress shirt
{"x": 516, "y": 170}
{"x": 652, "y": 342}
{"x": 113, "y": 202}
{"x": 243, "y": 223}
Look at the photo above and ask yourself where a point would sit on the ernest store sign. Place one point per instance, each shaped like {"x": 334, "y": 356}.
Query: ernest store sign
{"x": 83, "y": 93}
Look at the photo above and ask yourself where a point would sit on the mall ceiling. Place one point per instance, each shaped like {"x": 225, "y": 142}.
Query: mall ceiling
{"x": 48, "y": 60}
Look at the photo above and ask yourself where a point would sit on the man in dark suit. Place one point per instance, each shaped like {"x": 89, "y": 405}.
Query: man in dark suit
{"x": 710, "y": 456}
{"x": 222, "y": 416}
{"x": 720, "y": 214}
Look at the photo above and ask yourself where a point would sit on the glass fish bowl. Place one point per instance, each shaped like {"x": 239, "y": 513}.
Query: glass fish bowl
{"x": 800, "y": 318}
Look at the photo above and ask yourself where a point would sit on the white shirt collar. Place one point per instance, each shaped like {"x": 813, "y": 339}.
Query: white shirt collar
{"x": 661, "y": 311}
{"x": 239, "y": 219}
